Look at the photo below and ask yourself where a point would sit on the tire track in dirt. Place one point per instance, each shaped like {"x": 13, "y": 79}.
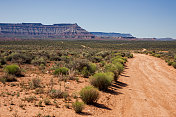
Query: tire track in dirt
{"x": 151, "y": 89}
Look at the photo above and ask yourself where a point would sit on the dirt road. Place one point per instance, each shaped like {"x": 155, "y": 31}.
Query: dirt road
{"x": 150, "y": 90}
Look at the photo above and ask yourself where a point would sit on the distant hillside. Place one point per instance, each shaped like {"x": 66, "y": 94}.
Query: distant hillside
{"x": 62, "y": 31}
{"x": 104, "y": 34}
{"x": 165, "y": 39}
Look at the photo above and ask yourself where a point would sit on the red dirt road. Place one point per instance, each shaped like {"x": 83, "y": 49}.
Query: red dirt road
{"x": 151, "y": 89}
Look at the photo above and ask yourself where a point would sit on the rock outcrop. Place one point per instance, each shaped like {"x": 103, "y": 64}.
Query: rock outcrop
{"x": 63, "y": 31}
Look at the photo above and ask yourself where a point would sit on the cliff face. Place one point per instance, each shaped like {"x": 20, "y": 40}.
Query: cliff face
{"x": 39, "y": 30}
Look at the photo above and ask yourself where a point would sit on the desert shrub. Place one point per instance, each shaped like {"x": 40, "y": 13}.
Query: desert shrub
{"x": 71, "y": 74}
{"x": 102, "y": 80}
{"x": 78, "y": 64}
{"x": 61, "y": 70}
{"x": 89, "y": 69}
{"x": 120, "y": 60}
{"x": 96, "y": 59}
{"x": 174, "y": 64}
{"x": 110, "y": 68}
{"x": 166, "y": 60}
{"x": 119, "y": 67}
{"x": 65, "y": 95}
{"x": 78, "y": 106}
{"x": 39, "y": 91}
{"x": 83, "y": 66}
{"x": 85, "y": 72}
{"x": 47, "y": 101}
{"x": 103, "y": 54}
{"x": 169, "y": 63}
{"x": 92, "y": 67}
{"x": 30, "y": 99}
{"x": 65, "y": 58}
{"x": 2, "y": 61}
{"x": 157, "y": 55}
{"x": 56, "y": 93}
{"x": 129, "y": 55}
{"x": 125, "y": 59}
{"x": 8, "y": 78}
{"x": 116, "y": 68}
{"x": 89, "y": 94}
{"x": 19, "y": 58}
{"x": 61, "y": 64}
{"x": 102, "y": 63}
{"x": 40, "y": 103}
{"x": 55, "y": 57}
{"x": 117, "y": 54}
{"x": 153, "y": 54}
{"x": 13, "y": 70}
{"x": 39, "y": 61}
{"x": 35, "y": 83}
{"x": 3, "y": 80}
{"x": 42, "y": 67}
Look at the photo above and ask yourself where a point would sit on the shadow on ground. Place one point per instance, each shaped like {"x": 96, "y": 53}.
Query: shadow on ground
{"x": 84, "y": 113}
{"x": 102, "y": 106}
{"x": 115, "y": 86}
{"x": 125, "y": 75}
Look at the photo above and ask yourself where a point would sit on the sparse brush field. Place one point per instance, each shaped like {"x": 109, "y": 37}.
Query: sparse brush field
{"x": 67, "y": 78}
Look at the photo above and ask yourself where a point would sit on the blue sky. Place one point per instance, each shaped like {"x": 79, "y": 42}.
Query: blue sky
{"x": 141, "y": 18}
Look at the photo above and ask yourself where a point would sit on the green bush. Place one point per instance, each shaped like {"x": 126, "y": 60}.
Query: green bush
{"x": 78, "y": 106}
{"x": 102, "y": 80}
{"x": 2, "y": 61}
{"x": 83, "y": 66}
{"x": 61, "y": 70}
{"x": 85, "y": 72}
{"x": 96, "y": 59}
{"x": 54, "y": 57}
{"x": 65, "y": 58}
{"x": 103, "y": 54}
{"x": 169, "y": 63}
{"x": 157, "y": 55}
{"x": 89, "y": 69}
{"x": 174, "y": 64}
{"x": 78, "y": 64}
{"x": 102, "y": 63}
{"x": 39, "y": 61}
{"x": 19, "y": 58}
{"x": 120, "y": 60}
{"x": 129, "y": 55}
{"x": 116, "y": 68}
{"x": 166, "y": 60}
{"x": 13, "y": 70}
{"x": 89, "y": 94}
{"x": 119, "y": 67}
{"x": 110, "y": 68}
{"x": 92, "y": 67}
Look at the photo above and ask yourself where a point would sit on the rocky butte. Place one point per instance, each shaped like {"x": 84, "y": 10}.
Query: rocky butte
{"x": 62, "y": 31}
